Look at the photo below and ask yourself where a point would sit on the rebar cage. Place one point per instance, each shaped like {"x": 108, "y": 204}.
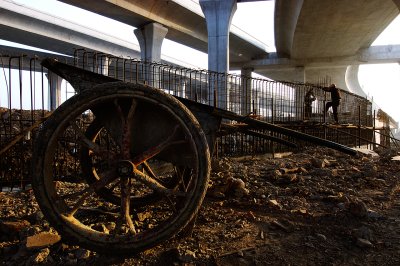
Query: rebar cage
{"x": 29, "y": 93}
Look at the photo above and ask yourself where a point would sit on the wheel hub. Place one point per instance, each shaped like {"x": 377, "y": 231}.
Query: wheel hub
{"x": 125, "y": 168}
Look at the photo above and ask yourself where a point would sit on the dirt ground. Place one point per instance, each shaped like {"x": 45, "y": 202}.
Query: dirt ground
{"x": 314, "y": 207}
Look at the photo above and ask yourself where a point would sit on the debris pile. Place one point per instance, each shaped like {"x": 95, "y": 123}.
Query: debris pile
{"x": 317, "y": 207}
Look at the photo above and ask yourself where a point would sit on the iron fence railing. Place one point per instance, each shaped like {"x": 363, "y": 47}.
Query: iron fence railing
{"x": 28, "y": 93}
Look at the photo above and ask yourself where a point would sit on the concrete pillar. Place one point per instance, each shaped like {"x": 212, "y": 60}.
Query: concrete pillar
{"x": 352, "y": 81}
{"x": 218, "y": 14}
{"x": 54, "y": 90}
{"x": 102, "y": 64}
{"x": 150, "y": 39}
{"x": 246, "y": 94}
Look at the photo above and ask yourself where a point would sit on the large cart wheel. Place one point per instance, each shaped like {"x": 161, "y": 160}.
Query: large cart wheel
{"x": 145, "y": 144}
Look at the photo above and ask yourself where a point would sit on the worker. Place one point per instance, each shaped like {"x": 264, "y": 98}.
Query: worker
{"x": 335, "y": 101}
{"x": 308, "y": 99}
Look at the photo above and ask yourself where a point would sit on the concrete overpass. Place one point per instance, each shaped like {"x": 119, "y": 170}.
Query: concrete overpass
{"x": 314, "y": 38}
{"x": 35, "y": 28}
{"x": 38, "y": 29}
{"x": 184, "y": 25}
{"x": 329, "y": 38}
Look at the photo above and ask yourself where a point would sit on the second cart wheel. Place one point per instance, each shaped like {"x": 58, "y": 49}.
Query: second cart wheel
{"x": 147, "y": 145}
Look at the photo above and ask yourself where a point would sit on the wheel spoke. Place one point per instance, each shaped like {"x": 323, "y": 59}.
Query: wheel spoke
{"x": 147, "y": 168}
{"x": 153, "y": 151}
{"x": 131, "y": 112}
{"x": 126, "y": 135}
{"x": 109, "y": 176}
{"x": 87, "y": 142}
{"x": 156, "y": 185}
{"x": 119, "y": 110}
{"x": 125, "y": 205}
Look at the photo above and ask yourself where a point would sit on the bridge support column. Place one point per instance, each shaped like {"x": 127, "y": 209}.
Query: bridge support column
{"x": 150, "y": 39}
{"x": 352, "y": 80}
{"x": 54, "y": 90}
{"x": 219, "y": 14}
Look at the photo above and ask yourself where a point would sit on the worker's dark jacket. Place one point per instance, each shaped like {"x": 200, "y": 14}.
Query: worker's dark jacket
{"x": 335, "y": 94}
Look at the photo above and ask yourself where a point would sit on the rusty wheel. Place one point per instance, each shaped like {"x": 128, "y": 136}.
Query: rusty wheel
{"x": 141, "y": 176}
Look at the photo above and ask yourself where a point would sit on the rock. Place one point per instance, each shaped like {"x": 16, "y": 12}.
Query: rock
{"x": 216, "y": 194}
{"x": 101, "y": 228}
{"x": 320, "y": 172}
{"x": 303, "y": 171}
{"x": 13, "y": 228}
{"x": 36, "y": 217}
{"x": 42, "y": 240}
{"x": 29, "y": 231}
{"x": 370, "y": 170}
{"x": 286, "y": 179}
{"x": 41, "y": 257}
{"x": 221, "y": 165}
{"x": 374, "y": 215}
{"x": 169, "y": 257}
{"x": 110, "y": 226}
{"x": 143, "y": 216}
{"x": 188, "y": 256}
{"x": 9, "y": 250}
{"x": 363, "y": 243}
{"x": 71, "y": 261}
{"x": 236, "y": 186}
{"x": 319, "y": 163}
{"x": 277, "y": 174}
{"x": 290, "y": 170}
{"x": 321, "y": 237}
{"x": 281, "y": 225}
{"x": 261, "y": 234}
{"x": 82, "y": 254}
{"x": 358, "y": 208}
{"x": 334, "y": 173}
{"x": 274, "y": 203}
{"x": 363, "y": 232}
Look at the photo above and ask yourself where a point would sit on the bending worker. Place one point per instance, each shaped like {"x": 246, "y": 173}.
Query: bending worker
{"x": 308, "y": 99}
{"x": 335, "y": 101}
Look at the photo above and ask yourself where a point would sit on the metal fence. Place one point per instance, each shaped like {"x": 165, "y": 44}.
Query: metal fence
{"x": 272, "y": 101}
{"x": 28, "y": 94}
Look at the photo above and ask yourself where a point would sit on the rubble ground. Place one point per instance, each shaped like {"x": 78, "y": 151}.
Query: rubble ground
{"x": 314, "y": 207}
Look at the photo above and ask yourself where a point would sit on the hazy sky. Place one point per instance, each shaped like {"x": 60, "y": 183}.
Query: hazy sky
{"x": 381, "y": 82}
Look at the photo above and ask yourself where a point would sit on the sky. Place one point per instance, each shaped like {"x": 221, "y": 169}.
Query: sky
{"x": 380, "y": 82}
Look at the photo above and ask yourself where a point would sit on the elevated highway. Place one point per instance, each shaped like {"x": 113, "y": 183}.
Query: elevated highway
{"x": 184, "y": 25}
{"x": 314, "y": 39}
{"x": 328, "y": 38}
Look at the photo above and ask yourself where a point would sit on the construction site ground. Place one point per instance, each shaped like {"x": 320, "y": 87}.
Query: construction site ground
{"x": 314, "y": 207}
